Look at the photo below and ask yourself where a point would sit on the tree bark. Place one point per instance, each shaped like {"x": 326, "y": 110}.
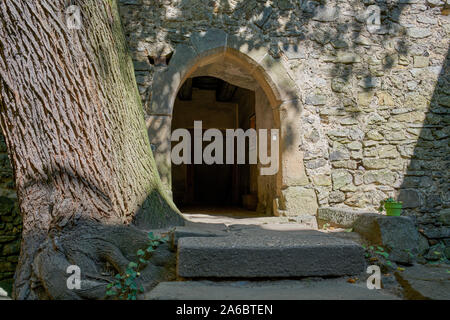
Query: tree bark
{"x": 74, "y": 127}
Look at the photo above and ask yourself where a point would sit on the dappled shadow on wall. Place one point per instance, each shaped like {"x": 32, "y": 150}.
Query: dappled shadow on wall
{"x": 425, "y": 188}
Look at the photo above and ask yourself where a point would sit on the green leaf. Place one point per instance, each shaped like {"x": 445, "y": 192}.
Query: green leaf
{"x": 143, "y": 260}
{"x": 118, "y": 277}
{"x": 349, "y": 230}
{"x": 151, "y": 236}
{"x": 150, "y": 249}
{"x": 132, "y": 265}
{"x": 384, "y": 254}
{"x": 111, "y": 293}
{"x": 371, "y": 247}
{"x": 110, "y": 285}
{"x": 140, "y": 252}
{"x": 380, "y": 248}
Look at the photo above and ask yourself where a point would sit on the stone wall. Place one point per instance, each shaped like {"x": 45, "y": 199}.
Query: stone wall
{"x": 375, "y": 102}
{"x": 10, "y": 221}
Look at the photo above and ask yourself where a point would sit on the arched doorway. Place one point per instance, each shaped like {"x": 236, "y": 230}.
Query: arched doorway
{"x": 220, "y": 105}
{"x": 249, "y": 66}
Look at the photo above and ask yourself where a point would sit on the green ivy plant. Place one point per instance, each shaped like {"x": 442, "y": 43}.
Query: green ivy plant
{"x": 372, "y": 251}
{"x": 124, "y": 286}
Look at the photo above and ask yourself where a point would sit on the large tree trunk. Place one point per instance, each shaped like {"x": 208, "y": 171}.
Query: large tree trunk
{"x": 74, "y": 126}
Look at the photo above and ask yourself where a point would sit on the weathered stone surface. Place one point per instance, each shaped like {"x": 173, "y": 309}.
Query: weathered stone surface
{"x": 384, "y": 177}
{"x": 433, "y": 232}
{"x": 284, "y": 85}
{"x": 341, "y": 178}
{"x": 418, "y": 33}
{"x": 398, "y": 234}
{"x": 293, "y": 52}
{"x": 299, "y": 201}
{"x": 444, "y": 217}
{"x": 385, "y": 99}
{"x": 330, "y": 289}
{"x": 365, "y": 98}
{"x": 316, "y": 100}
{"x": 436, "y": 253}
{"x": 370, "y": 163}
{"x": 421, "y": 62}
{"x": 325, "y": 14}
{"x": 339, "y": 152}
{"x": 261, "y": 19}
{"x": 213, "y": 38}
{"x": 341, "y": 217}
{"x": 347, "y": 58}
{"x": 197, "y": 230}
{"x": 410, "y": 198}
{"x": 322, "y": 180}
{"x": 166, "y": 82}
{"x": 336, "y": 197}
{"x": 425, "y": 282}
{"x": 269, "y": 254}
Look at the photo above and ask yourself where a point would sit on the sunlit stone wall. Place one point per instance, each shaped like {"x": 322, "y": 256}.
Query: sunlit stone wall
{"x": 375, "y": 114}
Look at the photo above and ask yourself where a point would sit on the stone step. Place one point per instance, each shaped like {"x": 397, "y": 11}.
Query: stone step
{"x": 269, "y": 254}
{"x": 329, "y": 289}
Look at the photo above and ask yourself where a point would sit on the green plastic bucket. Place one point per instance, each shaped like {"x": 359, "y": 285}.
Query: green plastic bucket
{"x": 393, "y": 209}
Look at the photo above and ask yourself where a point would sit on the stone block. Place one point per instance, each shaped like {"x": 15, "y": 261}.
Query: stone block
{"x": 341, "y": 217}
{"x": 299, "y": 200}
{"x": 341, "y": 178}
{"x": 269, "y": 254}
{"x": 209, "y": 40}
{"x": 423, "y": 282}
{"x": 410, "y": 198}
{"x": 397, "y": 234}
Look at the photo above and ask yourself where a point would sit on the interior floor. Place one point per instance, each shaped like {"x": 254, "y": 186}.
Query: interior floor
{"x": 227, "y": 211}
{"x": 240, "y": 216}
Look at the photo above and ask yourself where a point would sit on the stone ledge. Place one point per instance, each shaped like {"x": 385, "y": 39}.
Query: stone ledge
{"x": 425, "y": 282}
{"x": 329, "y": 289}
{"x": 340, "y": 217}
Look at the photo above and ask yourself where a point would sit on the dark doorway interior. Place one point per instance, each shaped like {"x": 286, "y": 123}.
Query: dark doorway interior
{"x": 222, "y": 106}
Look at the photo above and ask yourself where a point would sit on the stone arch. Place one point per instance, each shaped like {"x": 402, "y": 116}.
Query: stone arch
{"x": 214, "y": 45}
{"x": 273, "y": 78}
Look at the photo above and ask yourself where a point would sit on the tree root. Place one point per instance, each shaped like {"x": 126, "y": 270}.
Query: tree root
{"x": 100, "y": 251}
